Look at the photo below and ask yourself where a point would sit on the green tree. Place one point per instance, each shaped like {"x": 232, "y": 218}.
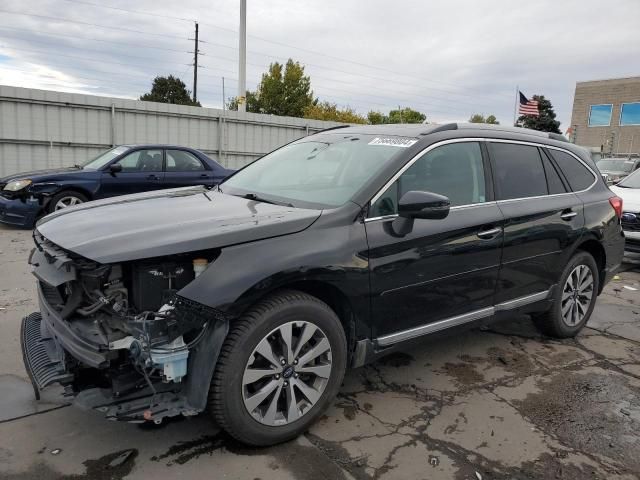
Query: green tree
{"x": 330, "y": 111}
{"x": 406, "y": 115}
{"x": 283, "y": 90}
{"x": 169, "y": 90}
{"x": 478, "y": 118}
{"x": 377, "y": 118}
{"x": 545, "y": 122}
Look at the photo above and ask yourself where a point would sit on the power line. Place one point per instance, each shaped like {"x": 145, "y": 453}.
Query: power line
{"x": 131, "y": 11}
{"x": 313, "y": 52}
{"x": 127, "y": 44}
{"x": 47, "y": 17}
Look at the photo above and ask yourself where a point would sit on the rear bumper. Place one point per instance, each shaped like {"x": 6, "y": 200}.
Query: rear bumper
{"x": 18, "y": 212}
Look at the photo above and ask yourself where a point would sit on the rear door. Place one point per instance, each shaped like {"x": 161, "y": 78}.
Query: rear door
{"x": 183, "y": 169}
{"x": 543, "y": 219}
{"x": 141, "y": 172}
{"x": 443, "y": 272}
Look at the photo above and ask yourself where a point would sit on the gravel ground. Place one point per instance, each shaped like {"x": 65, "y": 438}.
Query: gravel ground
{"x": 503, "y": 403}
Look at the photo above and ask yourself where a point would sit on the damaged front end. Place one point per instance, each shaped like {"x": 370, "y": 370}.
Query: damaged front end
{"x": 119, "y": 337}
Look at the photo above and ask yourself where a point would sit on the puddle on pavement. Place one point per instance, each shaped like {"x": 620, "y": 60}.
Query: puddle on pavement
{"x": 597, "y": 413}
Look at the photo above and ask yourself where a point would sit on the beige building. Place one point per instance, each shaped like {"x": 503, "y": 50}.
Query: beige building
{"x": 606, "y": 116}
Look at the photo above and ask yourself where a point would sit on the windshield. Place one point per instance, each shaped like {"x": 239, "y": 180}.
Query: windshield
{"x": 104, "y": 158}
{"x": 615, "y": 164}
{"x": 324, "y": 171}
{"x": 632, "y": 181}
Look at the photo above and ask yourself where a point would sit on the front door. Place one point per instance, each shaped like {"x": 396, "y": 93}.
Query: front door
{"x": 443, "y": 272}
{"x": 141, "y": 172}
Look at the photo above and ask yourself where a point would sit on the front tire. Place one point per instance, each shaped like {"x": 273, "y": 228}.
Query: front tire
{"x": 280, "y": 366}
{"x": 65, "y": 199}
{"x": 574, "y": 299}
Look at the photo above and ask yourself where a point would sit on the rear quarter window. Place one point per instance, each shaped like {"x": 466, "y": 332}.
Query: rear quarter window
{"x": 578, "y": 176}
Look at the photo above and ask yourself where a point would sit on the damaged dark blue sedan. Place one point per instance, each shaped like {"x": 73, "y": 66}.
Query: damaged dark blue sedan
{"x": 24, "y": 197}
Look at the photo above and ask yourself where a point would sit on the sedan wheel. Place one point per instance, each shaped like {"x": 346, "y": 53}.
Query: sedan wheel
{"x": 286, "y": 373}
{"x": 67, "y": 201}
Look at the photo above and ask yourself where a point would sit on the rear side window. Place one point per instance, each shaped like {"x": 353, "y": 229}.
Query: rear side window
{"x": 181, "y": 161}
{"x": 578, "y": 176}
{"x": 554, "y": 182}
{"x": 518, "y": 171}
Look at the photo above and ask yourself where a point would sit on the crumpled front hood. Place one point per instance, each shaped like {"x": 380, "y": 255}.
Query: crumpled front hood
{"x": 167, "y": 222}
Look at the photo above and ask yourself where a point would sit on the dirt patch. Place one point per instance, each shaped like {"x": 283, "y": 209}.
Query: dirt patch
{"x": 595, "y": 413}
{"x": 114, "y": 466}
{"x": 396, "y": 359}
{"x": 513, "y": 361}
{"x": 463, "y": 373}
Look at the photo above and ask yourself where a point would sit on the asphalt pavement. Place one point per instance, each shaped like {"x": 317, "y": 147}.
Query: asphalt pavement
{"x": 502, "y": 403}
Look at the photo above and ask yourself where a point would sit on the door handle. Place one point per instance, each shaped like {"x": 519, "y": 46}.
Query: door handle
{"x": 568, "y": 215}
{"x": 204, "y": 175}
{"x": 489, "y": 234}
{"x": 153, "y": 177}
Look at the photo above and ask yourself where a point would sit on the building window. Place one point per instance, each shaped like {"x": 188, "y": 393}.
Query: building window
{"x": 630, "y": 114}
{"x": 600, "y": 115}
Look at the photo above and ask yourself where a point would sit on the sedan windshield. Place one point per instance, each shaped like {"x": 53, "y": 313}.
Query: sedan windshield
{"x": 324, "y": 171}
{"x": 104, "y": 158}
{"x": 615, "y": 165}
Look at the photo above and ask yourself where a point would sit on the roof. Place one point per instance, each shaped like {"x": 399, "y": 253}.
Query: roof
{"x": 418, "y": 130}
{"x": 154, "y": 145}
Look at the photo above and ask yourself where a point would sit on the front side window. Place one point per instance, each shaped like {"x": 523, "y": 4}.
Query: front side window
{"x": 518, "y": 171}
{"x": 323, "y": 171}
{"x": 630, "y": 114}
{"x": 142, "y": 161}
{"x": 600, "y": 115}
{"x": 455, "y": 171}
{"x": 578, "y": 176}
{"x": 104, "y": 158}
{"x": 181, "y": 161}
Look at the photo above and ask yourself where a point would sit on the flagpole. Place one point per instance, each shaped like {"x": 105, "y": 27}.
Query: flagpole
{"x": 515, "y": 105}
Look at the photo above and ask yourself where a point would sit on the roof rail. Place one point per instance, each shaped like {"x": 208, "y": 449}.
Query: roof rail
{"x": 332, "y": 128}
{"x": 441, "y": 128}
{"x": 557, "y": 136}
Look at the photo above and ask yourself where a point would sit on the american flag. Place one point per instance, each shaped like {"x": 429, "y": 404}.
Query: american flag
{"x": 528, "y": 107}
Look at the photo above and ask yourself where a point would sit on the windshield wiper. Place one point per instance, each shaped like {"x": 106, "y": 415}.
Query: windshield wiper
{"x": 256, "y": 198}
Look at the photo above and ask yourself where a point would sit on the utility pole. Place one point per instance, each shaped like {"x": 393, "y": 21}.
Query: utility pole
{"x": 242, "y": 58}
{"x": 195, "y": 67}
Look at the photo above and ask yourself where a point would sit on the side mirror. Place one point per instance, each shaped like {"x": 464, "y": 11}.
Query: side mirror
{"x": 115, "y": 168}
{"x": 426, "y": 205}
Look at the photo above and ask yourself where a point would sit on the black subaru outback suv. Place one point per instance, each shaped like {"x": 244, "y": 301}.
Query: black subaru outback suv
{"x": 252, "y": 299}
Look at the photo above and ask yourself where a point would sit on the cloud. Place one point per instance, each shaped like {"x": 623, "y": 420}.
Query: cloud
{"x": 447, "y": 59}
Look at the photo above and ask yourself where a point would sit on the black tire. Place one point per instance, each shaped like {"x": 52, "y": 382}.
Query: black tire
{"x": 65, "y": 194}
{"x": 552, "y": 322}
{"x": 226, "y": 401}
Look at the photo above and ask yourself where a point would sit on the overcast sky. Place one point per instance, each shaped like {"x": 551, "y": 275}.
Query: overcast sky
{"x": 448, "y": 59}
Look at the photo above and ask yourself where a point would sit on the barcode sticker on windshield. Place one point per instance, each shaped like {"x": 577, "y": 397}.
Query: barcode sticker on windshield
{"x": 393, "y": 142}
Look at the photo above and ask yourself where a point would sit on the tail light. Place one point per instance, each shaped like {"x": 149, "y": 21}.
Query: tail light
{"x": 616, "y": 203}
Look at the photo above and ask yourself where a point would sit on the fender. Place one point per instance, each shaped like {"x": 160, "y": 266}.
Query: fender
{"x": 325, "y": 254}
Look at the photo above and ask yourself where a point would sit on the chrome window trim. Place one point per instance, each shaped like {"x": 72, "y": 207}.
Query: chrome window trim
{"x": 426, "y": 150}
{"x": 428, "y": 328}
{"x": 457, "y": 207}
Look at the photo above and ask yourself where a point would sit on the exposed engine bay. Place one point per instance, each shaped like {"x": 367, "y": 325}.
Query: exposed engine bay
{"x": 118, "y": 336}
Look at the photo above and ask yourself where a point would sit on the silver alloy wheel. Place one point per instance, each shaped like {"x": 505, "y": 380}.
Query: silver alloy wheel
{"x": 286, "y": 373}
{"x": 65, "y": 202}
{"x": 577, "y": 295}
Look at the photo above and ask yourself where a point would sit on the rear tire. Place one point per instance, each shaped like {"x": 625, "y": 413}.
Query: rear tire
{"x": 264, "y": 401}
{"x": 574, "y": 298}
